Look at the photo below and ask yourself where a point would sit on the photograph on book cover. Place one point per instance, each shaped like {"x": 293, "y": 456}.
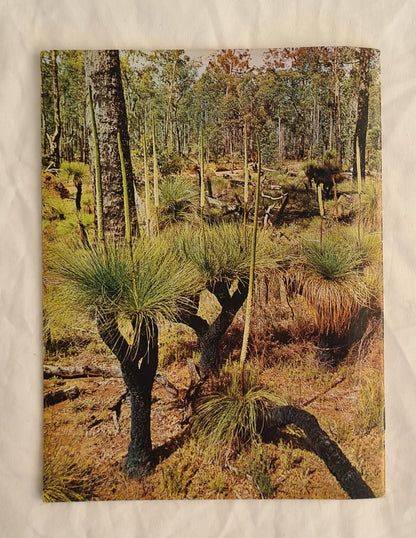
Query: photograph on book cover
{"x": 212, "y": 274}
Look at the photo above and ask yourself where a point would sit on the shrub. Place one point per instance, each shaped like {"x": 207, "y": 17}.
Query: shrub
{"x": 329, "y": 277}
{"x": 178, "y": 201}
{"x": 229, "y": 417}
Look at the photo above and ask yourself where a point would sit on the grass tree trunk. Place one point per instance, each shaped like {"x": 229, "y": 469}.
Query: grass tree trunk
{"x": 347, "y": 475}
{"x": 102, "y": 72}
{"x": 78, "y": 196}
{"x": 210, "y": 335}
{"x": 362, "y": 110}
{"x": 138, "y": 362}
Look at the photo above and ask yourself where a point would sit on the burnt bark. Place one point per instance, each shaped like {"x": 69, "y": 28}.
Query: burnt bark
{"x": 338, "y": 464}
{"x": 210, "y": 335}
{"x": 103, "y": 75}
{"x": 138, "y": 362}
{"x": 78, "y": 196}
{"x": 362, "y": 110}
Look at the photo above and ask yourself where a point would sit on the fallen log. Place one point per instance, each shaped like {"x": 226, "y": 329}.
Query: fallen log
{"x": 338, "y": 464}
{"x": 101, "y": 371}
{"x": 55, "y": 396}
{"x": 80, "y": 371}
{"x": 167, "y": 385}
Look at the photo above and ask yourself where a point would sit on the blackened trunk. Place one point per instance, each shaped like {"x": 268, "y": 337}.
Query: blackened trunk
{"x": 209, "y": 345}
{"x": 138, "y": 363}
{"x": 209, "y": 336}
{"x": 362, "y": 110}
{"x": 139, "y": 381}
{"x": 332, "y": 348}
{"x": 139, "y": 457}
{"x": 347, "y": 475}
{"x": 78, "y": 185}
{"x": 103, "y": 75}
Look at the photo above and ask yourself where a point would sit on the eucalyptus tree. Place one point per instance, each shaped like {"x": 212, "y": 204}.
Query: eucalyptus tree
{"x": 103, "y": 76}
{"x": 51, "y": 108}
{"x": 63, "y": 106}
{"x": 224, "y": 71}
{"x": 364, "y": 58}
{"x": 315, "y": 80}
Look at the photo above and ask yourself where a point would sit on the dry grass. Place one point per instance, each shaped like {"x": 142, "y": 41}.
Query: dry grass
{"x": 84, "y": 455}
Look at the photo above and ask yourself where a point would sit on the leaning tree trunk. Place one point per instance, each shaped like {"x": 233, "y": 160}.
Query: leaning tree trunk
{"x": 209, "y": 336}
{"x": 103, "y": 75}
{"x": 347, "y": 475}
{"x": 138, "y": 363}
{"x": 362, "y": 110}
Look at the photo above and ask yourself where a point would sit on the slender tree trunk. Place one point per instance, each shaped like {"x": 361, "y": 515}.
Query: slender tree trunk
{"x": 102, "y": 72}
{"x": 362, "y": 110}
{"x": 78, "y": 196}
{"x": 56, "y": 138}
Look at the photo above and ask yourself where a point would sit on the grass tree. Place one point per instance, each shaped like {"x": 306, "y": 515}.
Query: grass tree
{"x": 178, "y": 201}
{"x": 125, "y": 287}
{"x": 330, "y": 278}
{"x": 222, "y": 257}
{"x": 77, "y": 172}
{"x": 126, "y": 301}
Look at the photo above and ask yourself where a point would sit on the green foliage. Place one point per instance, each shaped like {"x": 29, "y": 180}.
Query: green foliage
{"x": 170, "y": 163}
{"x": 371, "y": 210}
{"x": 370, "y": 405}
{"x": 74, "y": 171}
{"x": 331, "y": 159}
{"x": 178, "y": 200}
{"x": 175, "y": 477}
{"x": 221, "y": 253}
{"x": 257, "y": 463}
{"x": 53, "y": 208}
{"x": 94, "y": 280}
{"x": 232, "y": 415}
{"x": 330, "y": 279}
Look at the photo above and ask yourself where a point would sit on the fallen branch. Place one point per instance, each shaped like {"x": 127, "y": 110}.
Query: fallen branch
{"x": 116, "y": 410}
{"x": 55, "y": 396}
{"x": 338, "y": 464}
{"x": 80, "y": 371}
{"x": 101, "y": 371}
{"x": 167, "y": 385}
{"x": 332, "y": 386}
{"x": 273, "y": 198}
{"x": 282, "y": 208}
{"x": 267, "y": 212}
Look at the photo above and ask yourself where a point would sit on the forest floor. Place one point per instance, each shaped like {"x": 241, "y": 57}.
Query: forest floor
{"x": 84, "y": 450}
{"x": 347, "y": 400}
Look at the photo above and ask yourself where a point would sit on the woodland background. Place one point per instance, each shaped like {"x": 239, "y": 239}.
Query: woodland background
{"x": 25, "y": 31}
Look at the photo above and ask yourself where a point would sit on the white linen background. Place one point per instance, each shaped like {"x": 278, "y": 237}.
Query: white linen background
{"x": 28, "y": 27}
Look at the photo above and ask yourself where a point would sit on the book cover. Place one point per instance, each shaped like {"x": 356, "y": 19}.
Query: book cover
{"x": 212, "y": 273}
